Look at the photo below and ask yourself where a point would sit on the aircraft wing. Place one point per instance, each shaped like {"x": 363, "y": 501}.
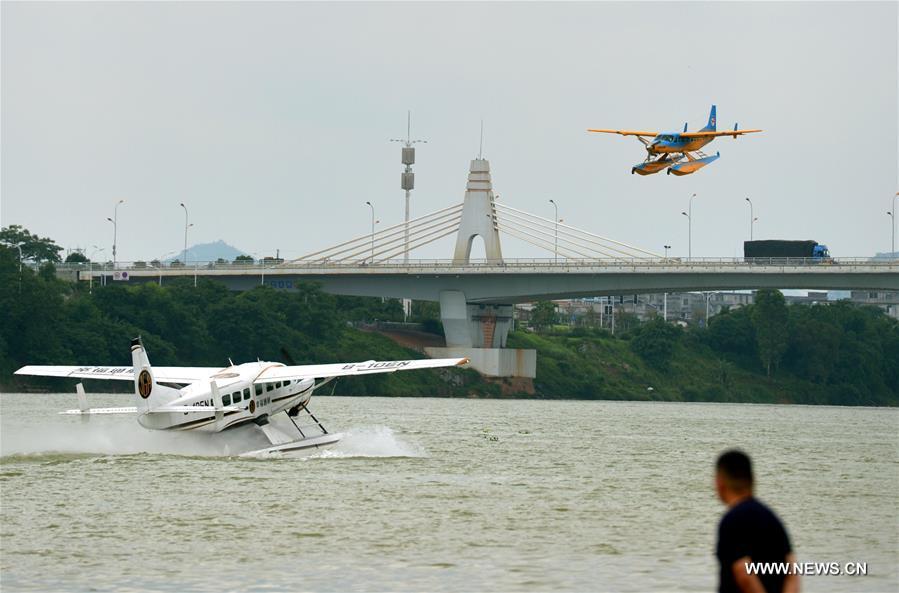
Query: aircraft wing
{"x": 625, "y": 132}
{"x": 733, "y": 133}
{"x": 79, "y": 372}
{"x": 369, "y": 367}
{"x": 122, "y": 373}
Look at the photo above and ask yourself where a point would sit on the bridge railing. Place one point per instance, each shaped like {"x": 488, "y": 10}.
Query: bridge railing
{"x": 474, "y": 265}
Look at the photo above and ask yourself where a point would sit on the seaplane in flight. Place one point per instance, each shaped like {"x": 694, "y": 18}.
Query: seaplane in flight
{"x": 211, "y": 399}
{"x": 678, "y": 152}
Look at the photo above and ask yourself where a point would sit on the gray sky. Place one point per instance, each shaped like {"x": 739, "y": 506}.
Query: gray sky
{"x": 271, "y": 121}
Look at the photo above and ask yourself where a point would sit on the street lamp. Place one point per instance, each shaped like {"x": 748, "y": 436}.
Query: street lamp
{"x": 665, "y": 296}
{"x": 372, "y": 231}
{"x": 556, "y": 223}
{"x": 91, "y": 266}
{"x": 186, "y": 226}
{"x": 159, "y": 269}
{"x": 690, "y": 228}
{"x": 893, "y": 236}
{"x": 893, "y": 241}
{"x": 115, "y": 229}
{"x": 752, "y": 219}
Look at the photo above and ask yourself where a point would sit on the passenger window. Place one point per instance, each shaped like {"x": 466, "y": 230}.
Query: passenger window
{"x": 235, "y": 396}
{"x": 246, "y": 394}
{"x": 278, "y": 385}
{"x": 269, "y": 386}
{"x": 226, "y": 400}
{"x": 286, "y": 383}
{"x": 259, "y": 389}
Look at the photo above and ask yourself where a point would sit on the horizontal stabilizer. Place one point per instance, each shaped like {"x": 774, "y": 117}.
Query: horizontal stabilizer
{"x": 97, "y": 411}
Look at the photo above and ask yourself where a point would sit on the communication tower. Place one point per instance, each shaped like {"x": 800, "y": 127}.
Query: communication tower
{"x": 407, "y": 180}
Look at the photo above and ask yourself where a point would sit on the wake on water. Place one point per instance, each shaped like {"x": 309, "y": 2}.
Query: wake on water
{"x": 128, "y": 438}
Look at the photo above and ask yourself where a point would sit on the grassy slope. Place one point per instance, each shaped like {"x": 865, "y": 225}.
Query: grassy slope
{"x": 607, "y": 368}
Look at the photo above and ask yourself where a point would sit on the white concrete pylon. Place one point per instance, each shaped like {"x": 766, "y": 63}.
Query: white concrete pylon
{"x": 478, "y": 216}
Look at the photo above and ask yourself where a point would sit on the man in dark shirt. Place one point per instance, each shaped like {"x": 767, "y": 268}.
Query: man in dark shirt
{"x": 748, "y": 532}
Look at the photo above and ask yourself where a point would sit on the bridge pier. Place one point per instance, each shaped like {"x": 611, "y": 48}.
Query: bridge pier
{"x": 479, "y": 332}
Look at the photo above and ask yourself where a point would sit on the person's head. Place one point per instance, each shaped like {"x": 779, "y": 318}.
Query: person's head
{"x": 733, "y": 476}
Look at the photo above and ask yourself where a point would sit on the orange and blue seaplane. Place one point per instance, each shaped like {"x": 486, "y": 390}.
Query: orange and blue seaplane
{"x": 678, "y": 152}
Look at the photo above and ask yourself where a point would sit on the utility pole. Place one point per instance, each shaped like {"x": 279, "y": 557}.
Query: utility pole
{"x": 407, "y": 181}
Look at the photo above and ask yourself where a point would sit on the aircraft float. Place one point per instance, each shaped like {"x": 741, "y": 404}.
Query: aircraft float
{"x": 678, "y": 152}
{"x": 210, "y": 399}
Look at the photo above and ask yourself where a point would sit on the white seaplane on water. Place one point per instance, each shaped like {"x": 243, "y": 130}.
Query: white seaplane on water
{"x": 213, "y": 399}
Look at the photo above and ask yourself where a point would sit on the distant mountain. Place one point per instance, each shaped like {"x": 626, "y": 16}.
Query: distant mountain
{"x": 205, "y": 252}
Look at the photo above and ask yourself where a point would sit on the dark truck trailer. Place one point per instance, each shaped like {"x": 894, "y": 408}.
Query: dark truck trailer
{"x": 774, "y": 248}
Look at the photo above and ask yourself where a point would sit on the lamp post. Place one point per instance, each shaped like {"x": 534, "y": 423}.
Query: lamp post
{"x": 91, "y": 266}
{"x": 115, "y": 229}
{"x": 159, "y": 269}
{"x": 665, "y": 295}
{"x": 752, "y": 219}
{"x": 893, "y": 218}
{"x": 556, "y": 223}
{"x": 893, "y": 236}
{"x": 372, "y": 231}
{"x": 690, "y": 228}
{"x": 186, "y": 226}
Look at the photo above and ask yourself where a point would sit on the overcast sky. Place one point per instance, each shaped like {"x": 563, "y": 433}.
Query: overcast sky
{"x": 271, "y": 121}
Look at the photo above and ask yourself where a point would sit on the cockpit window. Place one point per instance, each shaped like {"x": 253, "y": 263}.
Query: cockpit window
{"x": 246, "y": 394}
{"x": 259, "y": 389}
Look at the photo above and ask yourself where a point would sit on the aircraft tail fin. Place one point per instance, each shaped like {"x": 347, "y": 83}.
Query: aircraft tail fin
{"x": 711, "y": 126}
{"x": 148, "y": 393}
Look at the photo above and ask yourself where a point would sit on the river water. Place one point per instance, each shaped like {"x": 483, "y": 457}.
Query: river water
{"x": 437, "y": 495}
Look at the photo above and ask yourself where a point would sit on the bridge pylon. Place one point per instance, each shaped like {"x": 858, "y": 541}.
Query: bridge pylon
{"x": 478, "y": 216}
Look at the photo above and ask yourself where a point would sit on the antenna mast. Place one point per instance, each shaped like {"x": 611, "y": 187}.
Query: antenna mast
{"x": 407, "y": 181}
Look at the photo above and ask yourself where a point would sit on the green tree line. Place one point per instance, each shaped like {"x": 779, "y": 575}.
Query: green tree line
{"x": 49, "y": 321}
{"x": 835, "y": 353}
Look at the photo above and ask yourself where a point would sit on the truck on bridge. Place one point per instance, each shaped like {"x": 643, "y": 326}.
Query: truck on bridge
{"x": 775, "y": 248}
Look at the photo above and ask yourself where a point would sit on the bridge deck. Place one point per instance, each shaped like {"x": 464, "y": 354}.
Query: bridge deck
{"x": 526, "y": 280}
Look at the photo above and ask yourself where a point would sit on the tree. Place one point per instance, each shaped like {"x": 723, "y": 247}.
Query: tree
{"x": 76, "y": 257}
{"x": 34, "y": 248}
{"x": 543, "y": 315}
{"x": 655, "y": 342}
{"x": 769, "y": 316}
{"x": 243, "y": 259}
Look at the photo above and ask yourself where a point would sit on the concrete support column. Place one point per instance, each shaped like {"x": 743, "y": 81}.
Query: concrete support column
{"x": 454, "y": 315}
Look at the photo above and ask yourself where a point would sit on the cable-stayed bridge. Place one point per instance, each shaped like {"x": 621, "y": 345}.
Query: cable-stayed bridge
{"x": 476, "y": 296}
